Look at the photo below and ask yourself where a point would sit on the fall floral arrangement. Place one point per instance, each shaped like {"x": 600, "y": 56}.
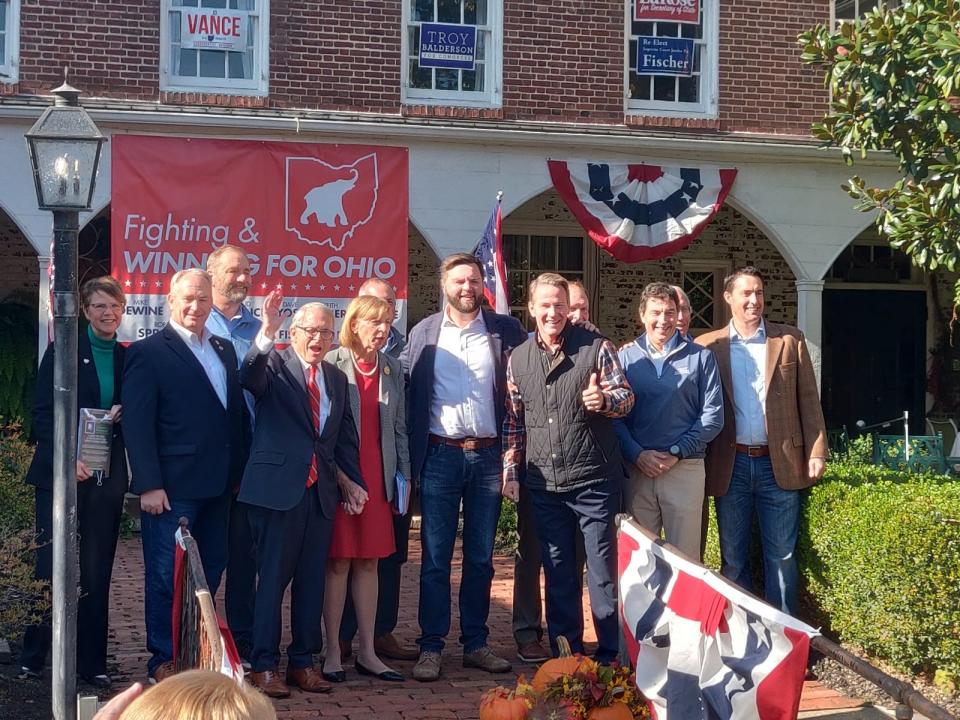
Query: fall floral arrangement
{"x": 569, "y": 687}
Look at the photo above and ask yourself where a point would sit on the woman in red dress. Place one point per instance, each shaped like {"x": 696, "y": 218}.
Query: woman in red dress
{"x": 360, "y": 540}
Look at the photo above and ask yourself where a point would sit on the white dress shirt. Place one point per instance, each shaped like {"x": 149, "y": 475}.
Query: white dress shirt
{"x": 203, "y": 351}
{"x": 463, "y": 375}
{"x": 748, "y": 368}
{"x": 265, "y": 345}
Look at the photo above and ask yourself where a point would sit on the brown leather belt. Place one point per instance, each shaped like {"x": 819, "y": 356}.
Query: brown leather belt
{"x": 467, "y": 443}
{"x": 754, "y": 450}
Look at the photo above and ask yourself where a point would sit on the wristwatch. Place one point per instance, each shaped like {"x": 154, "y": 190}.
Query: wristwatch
{"x": 675, "y": 451}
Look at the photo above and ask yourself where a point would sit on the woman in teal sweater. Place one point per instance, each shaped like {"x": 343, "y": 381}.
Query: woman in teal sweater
{"x": 99, "y": 495}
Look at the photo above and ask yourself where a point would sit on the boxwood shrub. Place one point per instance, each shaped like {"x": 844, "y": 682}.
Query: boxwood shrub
{"x": 880, "y": 554}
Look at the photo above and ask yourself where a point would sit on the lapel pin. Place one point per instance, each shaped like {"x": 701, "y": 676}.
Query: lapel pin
{"x": 386, "y": 369}
{"x": 86, "y": 361}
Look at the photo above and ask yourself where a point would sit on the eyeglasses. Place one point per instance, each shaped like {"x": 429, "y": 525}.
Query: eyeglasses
{"x": 102, "y": 307}
{"x": 314, "y": 331}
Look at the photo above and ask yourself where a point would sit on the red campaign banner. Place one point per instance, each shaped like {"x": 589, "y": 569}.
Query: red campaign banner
{"x": 315, "y": 220}
{"x": 678, "y": 11}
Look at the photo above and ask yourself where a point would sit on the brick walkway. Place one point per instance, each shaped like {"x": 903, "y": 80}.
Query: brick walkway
{"x": 454, "y": 696}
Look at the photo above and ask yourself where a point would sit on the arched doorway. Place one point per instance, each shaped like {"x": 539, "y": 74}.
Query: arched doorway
{"x": 542, "y": 235}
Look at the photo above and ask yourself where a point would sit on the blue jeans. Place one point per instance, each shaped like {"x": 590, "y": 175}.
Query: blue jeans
{"x": 451, "y": 475}
{"x": 207, "y": 520}
{"x": 558, "y": 515}
{"x": 753, "y": 487}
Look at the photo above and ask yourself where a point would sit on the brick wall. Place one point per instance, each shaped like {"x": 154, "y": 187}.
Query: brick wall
{"x": 19, "y": 272}
{"x": 423, "y": 288}
{"x": 563, "y": 60}
{"x": 730, "y": 241}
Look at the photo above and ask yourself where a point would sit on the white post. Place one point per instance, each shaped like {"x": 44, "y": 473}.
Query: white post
{"x": 43, "y": 307}
{"x": 810, "y": 318}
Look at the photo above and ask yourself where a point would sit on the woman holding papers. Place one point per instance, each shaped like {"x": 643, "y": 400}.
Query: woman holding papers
{"x": 361, "y": 539}
{"x": 100, "y": 488}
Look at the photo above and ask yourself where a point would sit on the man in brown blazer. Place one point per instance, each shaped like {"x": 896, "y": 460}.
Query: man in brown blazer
{"x": 773, "y": 442}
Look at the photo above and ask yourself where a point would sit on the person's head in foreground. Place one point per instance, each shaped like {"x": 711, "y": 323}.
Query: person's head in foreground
{"x": 200, "y": 695}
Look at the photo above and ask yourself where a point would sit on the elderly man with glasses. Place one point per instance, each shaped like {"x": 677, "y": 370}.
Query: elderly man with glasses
{"x": 304, "y": 432}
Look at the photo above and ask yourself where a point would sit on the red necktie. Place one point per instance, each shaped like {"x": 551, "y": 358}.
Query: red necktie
{"x": 314, "y": 392}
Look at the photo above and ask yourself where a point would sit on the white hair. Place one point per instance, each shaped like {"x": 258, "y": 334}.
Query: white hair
{"x": 311, "y": 307}
{"x": 189, "y": 272}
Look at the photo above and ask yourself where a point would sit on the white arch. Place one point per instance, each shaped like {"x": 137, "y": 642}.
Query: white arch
{"x": 870, "y": 223}
{"x": 783, "y": 248}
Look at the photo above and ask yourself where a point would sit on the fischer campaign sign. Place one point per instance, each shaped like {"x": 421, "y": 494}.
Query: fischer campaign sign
{"x": 447, "y": 46}
{"x": 678, "y": 11}
{"x": 315, "y": 220}
{"x": 664, "y": 56}
{"x": 208, "y": 29}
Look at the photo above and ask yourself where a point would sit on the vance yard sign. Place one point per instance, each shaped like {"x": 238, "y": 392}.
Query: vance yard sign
{"x": 213, "y": 30}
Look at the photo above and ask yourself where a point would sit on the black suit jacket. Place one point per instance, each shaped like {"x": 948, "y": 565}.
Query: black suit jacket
{"x": 285, "y": 440}
{"x": 418, "y": 356}
{"x": 179, "y": 436}
{"x": 88, "y": 396}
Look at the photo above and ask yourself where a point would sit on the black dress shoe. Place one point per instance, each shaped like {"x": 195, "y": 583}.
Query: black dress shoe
{"x": 98, "y": 681}
{"x": 388, "y": 675}
{"x": 337, "y": 676}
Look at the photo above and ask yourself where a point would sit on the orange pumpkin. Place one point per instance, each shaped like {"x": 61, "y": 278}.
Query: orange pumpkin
{"x": 615, "y": 711}
{"x": 563, "y": 666}
{"x": 501, "y": 703}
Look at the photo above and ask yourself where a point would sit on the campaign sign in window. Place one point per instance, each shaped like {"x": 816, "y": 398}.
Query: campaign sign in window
{"x": 664, "y": 56}
{"x": 447, "y": 46}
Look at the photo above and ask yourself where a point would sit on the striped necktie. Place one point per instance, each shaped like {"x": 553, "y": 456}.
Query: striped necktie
{"x": 314, "y": 392}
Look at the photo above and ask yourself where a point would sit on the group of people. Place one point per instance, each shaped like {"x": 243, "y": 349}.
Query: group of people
{"x": 290, "y": 465}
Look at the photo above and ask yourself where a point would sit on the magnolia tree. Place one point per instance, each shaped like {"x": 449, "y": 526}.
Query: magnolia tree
{"x": 894, "y": 78}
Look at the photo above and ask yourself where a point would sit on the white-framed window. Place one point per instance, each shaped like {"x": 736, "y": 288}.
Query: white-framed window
{"x": 672, "y": 95}
{"x": 477, "y": 87}
{"x": 530, "y": 250}
{"x": 703, "y": 284}
{"x": 230, "y": 72}
{"x": 9, "y": 41}
{"x": 850, "y": 10}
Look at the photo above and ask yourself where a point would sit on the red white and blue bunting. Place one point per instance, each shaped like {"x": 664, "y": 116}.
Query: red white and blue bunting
{"x": 641, "y": 212}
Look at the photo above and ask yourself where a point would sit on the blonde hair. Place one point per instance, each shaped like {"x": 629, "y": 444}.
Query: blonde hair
{"x": 365, "y": 307}
{"x": 548, "y": 278}
{"x": 200, "y": 695}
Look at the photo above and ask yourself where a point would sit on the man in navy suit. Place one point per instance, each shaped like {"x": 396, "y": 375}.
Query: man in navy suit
{"x": 455, "y": 363}
{"x": 304, "y": 434}
{"x": 186, "y": 433}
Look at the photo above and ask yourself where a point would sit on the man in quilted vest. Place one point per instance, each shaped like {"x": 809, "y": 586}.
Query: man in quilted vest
{"x": 564, "y": 387}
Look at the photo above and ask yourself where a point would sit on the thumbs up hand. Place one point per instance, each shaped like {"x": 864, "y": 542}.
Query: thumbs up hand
{"x": 592, "y": 395}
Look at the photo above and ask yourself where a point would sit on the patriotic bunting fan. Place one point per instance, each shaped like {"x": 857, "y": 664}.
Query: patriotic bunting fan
{"x": 641, "y": 212}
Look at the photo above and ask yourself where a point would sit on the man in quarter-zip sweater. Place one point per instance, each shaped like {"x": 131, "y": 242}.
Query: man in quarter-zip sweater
{"x": 679, "y": 409}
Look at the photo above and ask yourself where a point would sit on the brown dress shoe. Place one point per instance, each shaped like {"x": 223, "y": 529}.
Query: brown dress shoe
{"x": 269, "y": 683}
{"x": 389, "y": 647}
{"x": 307, "y": 679}
{"x": 163, "y": 671}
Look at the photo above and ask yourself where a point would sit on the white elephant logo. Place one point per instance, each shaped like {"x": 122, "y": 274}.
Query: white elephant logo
{"x": 325, "y": 204}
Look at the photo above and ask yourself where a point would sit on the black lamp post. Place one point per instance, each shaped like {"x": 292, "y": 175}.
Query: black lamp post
{"x": 64, "y": 147}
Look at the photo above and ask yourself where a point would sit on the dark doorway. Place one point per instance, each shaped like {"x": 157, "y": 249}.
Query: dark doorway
{"x": 874, "y": 351}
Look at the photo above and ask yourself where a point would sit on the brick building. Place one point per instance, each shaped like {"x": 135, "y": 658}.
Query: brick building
{"x": 550, "y": 80}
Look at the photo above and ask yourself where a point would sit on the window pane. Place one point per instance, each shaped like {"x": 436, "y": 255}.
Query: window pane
{"x": 642, "y": 28}
{"x": 515, "y": 250}
{"x": 542, "y": 252}
{"x": 668, "y": 29}
{"x": 845, "y": 9}
{"x": 570, "y": 254}
{"x": 213, "y": 4}
{"x": 421, "y": 10}
{"x": 517, "y": 287}
{"x": 212, "y": 64}
{"x": 413, "y": 32}
{"x": 640, "y": 86}
{"x": 688, "y": 89}
{"x": 420, "y": 77}
{"x": 188, "y": 63}
{"x": 3, "y": 20}
{"x": 188, "y": 3}
{"x": 664, "y": 88}
{"x": 481, "y": 46}
{"x": 448, "y": 11}
{"x": 241, "y": 65}
{"x": 448, "y": 79}
{"x": 470, "y": 78}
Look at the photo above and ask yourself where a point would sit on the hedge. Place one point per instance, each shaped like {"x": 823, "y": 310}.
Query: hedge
{"x": 880, "y": 553}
